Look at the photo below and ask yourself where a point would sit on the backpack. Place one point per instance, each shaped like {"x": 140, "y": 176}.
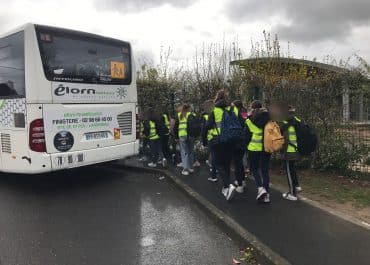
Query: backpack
{"x": 231, "y": 129}
{"x": 194, "y": 125}
{"x": 273, "y": 141}
{"x": 306, "y": 138}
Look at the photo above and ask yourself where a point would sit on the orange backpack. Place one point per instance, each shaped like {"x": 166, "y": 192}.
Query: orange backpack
{"x": 273, "y": 141}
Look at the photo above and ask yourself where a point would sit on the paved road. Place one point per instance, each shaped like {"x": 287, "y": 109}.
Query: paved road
{"x": 102, "y": 216}
{"x": 302, "y": 234}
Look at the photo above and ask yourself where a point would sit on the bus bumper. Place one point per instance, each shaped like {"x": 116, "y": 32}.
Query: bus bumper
{"x": 88, "y": 157}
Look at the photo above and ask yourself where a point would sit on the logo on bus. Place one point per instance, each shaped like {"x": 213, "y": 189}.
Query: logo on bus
{"x": 62, "y": 90}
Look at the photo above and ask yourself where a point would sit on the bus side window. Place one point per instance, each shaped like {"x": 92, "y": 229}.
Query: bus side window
{"x": 12, "y": 80}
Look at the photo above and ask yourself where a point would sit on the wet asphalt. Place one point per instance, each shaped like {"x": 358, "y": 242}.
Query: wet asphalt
{"x": 100, "y": 215}
{"x": 299, "y": 232}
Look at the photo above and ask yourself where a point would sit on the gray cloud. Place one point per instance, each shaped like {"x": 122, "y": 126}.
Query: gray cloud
{"x": 134, "y": 6}
{"x": 310, "y": 21}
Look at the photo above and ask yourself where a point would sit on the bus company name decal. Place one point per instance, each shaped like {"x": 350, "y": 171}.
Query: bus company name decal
{"x": 70, "y": 92}
{"x": 62, "y": 90}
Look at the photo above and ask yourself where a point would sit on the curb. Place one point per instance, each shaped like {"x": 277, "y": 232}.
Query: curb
{"x": 265, "y": 255}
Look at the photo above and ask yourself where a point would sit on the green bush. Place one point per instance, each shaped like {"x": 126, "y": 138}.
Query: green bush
{"x": 336, "y": 153}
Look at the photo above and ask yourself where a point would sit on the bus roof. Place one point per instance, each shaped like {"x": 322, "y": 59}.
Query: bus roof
{"x": 83, "y": 33}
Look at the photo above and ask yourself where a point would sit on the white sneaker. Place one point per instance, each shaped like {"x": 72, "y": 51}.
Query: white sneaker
{"x": 164, "y": 162}
{"x": 151, "y": 164}
{"x": 196, "y": 164}
{"x": 231, "y": 192}
{"x": 212, "y": 179}
{"x": 267, "y": 198}
{"x": 185, "y": 172}
{"x": 225, "y": 191}
{"x": 191, "y": 170}
{"x": 179, "y": 164}
{"x": 239, "y": 189}
{"x": 208, "y": 164}
{"x": 289, "y": 196}
{"x": 298, "y": 189}
{"x": 261, "y": 192}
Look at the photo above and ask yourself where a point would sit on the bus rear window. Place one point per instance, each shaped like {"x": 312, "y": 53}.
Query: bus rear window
{"x": 70, "y": 56}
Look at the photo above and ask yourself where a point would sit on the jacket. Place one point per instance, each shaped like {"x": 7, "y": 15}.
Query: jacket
{"x": 147, "y": 127}
{"x": 291, "y": 121}
{"x": 259, "y": 117}
{"x": 211, "y": 124}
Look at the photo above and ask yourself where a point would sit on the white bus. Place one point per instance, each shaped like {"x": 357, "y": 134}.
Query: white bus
{"x": 67, "y": 99}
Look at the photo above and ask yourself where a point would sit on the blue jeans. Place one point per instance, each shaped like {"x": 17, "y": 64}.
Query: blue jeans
{"x": 187, "y": 152}
{"x": 213, "y": 161}
{"x": 260, "y": 161}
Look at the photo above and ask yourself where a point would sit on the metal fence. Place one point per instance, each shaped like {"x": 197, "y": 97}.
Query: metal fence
{"x": 358, "y": 135}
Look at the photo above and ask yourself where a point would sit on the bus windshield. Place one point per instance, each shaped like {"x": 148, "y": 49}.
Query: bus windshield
{"x": 71, "y": 56}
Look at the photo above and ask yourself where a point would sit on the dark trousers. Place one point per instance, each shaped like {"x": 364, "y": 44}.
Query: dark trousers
{"x": 238, "y": 155}
{"x": 292, "y": 177}
{"x": 165, "y": 147}
{"x": 155, "y": 147}
{"x": 144, "y": 150}
{"x": 224, "y": 154}
{"x": 213, "y": 161}
{"x": 259, "y": 163}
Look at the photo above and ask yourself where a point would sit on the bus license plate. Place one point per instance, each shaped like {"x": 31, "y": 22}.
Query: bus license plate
{"x": 97, "y": 135}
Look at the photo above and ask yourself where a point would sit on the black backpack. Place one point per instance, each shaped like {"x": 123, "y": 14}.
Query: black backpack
{"x": 194, "y": 125}
{"x": 306, "y": 138}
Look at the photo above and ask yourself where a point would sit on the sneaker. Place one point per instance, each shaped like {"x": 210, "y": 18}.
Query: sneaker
{"x": 164, "y": 162}
{"x": 191, "y": 170}
{"x": 151, "y": 164}
{"x": 267, "y": 198}
{"x": 212, "y": 179}
{"x": 231, "y": 192}
{"x": 185, "y": 172}
{"x": 298, "y": 189}
{"x": 289, "y": 196}
{"x": 225, "y": 191}
{"x": 261, "y": 192}
{"x": 196, "y": 164}
{"x": 208, "y": 164}
{"x": 239, "y": 189}
{"x": 179, "y": 164}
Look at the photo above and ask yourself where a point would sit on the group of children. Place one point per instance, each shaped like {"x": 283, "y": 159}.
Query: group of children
{"x": 231, "y": 134}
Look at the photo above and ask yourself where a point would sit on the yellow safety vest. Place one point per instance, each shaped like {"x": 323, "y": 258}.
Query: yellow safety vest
{"x": 153, "y": 131}
{"x": 183, "y": 125}
{"x": 166, "y": 122}
{"x": 218, "y": 112}
{"x": 255, "y": 145}
{"x": 209, "y": 135}
{"x": 292, "y": 137}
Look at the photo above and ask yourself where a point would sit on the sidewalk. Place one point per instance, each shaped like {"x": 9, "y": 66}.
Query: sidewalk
{"x": 297, "y": 231}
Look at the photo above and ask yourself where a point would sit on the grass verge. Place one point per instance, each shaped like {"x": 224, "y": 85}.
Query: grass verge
{"x": 348, "y": 195}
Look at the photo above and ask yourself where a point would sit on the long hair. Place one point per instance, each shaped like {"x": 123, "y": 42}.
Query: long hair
{"x": 184, "y": 110}
{"x": 221, "y": 95}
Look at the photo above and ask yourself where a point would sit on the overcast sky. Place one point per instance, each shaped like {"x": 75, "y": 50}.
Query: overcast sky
{"x": 315, "y": 28}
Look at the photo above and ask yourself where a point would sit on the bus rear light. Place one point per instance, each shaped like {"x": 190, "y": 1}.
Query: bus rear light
{"x": 37, "y": 136}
